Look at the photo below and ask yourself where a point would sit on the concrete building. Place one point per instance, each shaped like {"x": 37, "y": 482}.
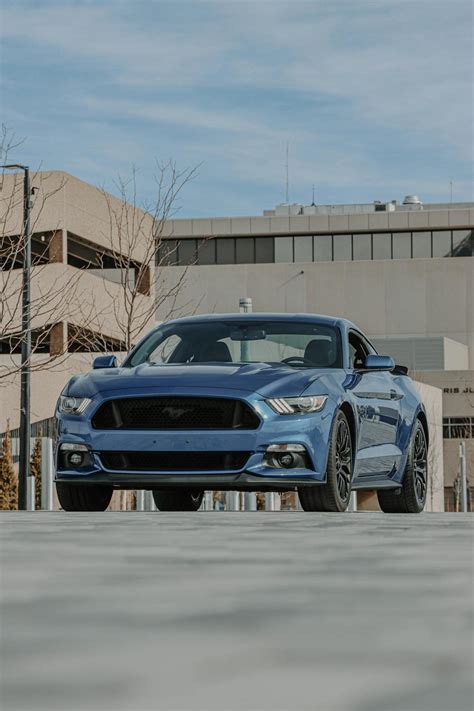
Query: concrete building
{"x": 79, "y": 253}
{"x": 403, "y": 272}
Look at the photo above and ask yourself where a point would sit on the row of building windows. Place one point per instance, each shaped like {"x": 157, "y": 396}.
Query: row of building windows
{"x": 458, "y": 427}
{"x": 318, "y": 248}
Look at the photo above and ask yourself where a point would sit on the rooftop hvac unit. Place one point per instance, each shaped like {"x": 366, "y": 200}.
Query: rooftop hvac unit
{"x": 412, "y": 200}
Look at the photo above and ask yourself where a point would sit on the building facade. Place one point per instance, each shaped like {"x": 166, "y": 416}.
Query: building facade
{"x": 84, "y": 266}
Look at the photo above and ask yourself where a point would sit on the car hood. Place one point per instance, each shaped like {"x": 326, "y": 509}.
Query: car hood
{"x": 269, "y": 381}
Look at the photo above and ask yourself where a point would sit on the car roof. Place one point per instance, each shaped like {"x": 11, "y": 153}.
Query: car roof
{"x": 264, "y": 316}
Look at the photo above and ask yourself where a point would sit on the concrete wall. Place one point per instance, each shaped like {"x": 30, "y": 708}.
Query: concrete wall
{"x": 309, "y": 224}
{"x": 62, "y": 201}
{"x": 417, "y": 297}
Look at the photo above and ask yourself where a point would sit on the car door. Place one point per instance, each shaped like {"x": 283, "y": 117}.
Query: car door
{"x": 377, "y": 399}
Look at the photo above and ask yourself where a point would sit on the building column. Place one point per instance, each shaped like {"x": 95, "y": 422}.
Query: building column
{"x": 58, "y": 339}
{"x": 57, "y": 250}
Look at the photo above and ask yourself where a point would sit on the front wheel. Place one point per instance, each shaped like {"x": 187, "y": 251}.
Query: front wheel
{"x": 76, "y": 497}
{"x": 178, "y": 499}
{"x": 335, "y": 494}
{"x": 411, "y": 498}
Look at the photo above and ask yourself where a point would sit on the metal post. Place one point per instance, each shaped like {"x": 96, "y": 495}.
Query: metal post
{"x": 25, "y": 425}
{"x": 140, "y": 500}
{"x": 463, "y": 476}
{"x": 250, "y": 501}
{"x": 232, "y": 501}
{"x": 269, "y": 501}
{"x": 30, "y": 493}
{"x": 207, "y": 504}
{"x": 47, "y": 473}
{"x": 352, "y": 506}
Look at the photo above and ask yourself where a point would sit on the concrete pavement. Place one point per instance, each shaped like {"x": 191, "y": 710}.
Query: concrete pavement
{"x": 138, "y": 611}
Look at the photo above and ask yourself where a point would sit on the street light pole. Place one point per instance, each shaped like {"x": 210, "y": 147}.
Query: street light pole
{"x": 25, "y": 409}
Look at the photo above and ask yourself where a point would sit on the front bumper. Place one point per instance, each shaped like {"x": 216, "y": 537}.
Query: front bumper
{"x": 310, "y": 430}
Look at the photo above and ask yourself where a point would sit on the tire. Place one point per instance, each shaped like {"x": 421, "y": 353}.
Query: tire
{"x": 411, "y": 498}
{"x": 335, "y": 494}
{"x": 178, "y": 499}
{"x": 75, "y": 497}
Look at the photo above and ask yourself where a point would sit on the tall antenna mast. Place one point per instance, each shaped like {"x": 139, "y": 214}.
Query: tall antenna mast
{"x": 313, "y": 203}
{"x": 287, "y": 192}
{"x": 451, "y": 189}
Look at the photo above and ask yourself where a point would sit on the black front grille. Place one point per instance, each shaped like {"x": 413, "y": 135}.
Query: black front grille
{"x": 175, "y": 413}
{"x": 173, "y": 461}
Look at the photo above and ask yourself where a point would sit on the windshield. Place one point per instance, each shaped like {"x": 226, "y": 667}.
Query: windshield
{"x": 309, "y": 345}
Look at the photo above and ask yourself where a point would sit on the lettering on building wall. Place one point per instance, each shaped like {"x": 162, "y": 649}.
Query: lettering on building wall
{"x": 456, "y": 391}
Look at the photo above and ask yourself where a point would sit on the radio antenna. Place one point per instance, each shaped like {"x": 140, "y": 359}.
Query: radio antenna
{"x": 287, "y": 165}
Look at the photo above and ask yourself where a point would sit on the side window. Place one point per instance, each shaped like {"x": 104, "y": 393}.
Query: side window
{"x": 358, "y": 349}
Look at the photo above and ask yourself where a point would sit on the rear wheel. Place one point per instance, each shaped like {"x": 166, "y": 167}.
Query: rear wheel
{"x": 75, "y": 497}
{"x": 411, "y": 498}
{"x": 335, "y": 494}
{"x": 178, "y": 499}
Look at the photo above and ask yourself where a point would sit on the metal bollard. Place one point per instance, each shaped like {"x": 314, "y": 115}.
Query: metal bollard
{"x": 352, "y": 506}
{"x": 149, "y": 501}
{"x": 250, "y": 501}
{"x": 47, "y": 473}
{"x": 232, "y": 501}
{"x": 30, "y": 493}
{"x": 140, "y": 500}
{"x": 207, "y": 503}
{"x": 463, "y": 476}
{"x": 270, "y": 501}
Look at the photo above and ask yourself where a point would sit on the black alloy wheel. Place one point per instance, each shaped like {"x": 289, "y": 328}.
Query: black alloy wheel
{"x": 411, "y": 497}
{"x": 334, "y": 495}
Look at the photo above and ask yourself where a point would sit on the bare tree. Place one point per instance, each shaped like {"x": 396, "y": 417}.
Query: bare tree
{"x": 136, "y": 243}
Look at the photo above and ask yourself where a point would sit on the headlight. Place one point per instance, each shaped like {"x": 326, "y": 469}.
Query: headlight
{"x": 294, "y": 405}
{"x": 73, "y": 405}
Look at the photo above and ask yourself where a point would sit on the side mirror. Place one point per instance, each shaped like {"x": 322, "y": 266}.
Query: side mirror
{"x": 374, "y": 362}
{"x": 107, "y": 361}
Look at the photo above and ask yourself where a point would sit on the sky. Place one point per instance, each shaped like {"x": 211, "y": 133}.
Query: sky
{"x": 372, "y": 97}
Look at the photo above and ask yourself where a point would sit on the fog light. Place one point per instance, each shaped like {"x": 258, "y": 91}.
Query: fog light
{"x": 76, "y": 458}
{"x": 286, "y": 460}
{"x": 73, "y": 455}
{"x": 287, "y": 456}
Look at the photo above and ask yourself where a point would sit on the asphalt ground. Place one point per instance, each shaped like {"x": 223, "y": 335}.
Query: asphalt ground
{"x": 214, "y": 610}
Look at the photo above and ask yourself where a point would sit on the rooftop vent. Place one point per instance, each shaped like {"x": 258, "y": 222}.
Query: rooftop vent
{"x": 412, "y": 200}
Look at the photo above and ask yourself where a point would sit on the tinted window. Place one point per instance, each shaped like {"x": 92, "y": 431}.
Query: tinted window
{"x": 167, "y": 254}
{"x": 283, "y": 249}
{"x": 462, "y": 243}
{"x": 187, "y": 251}
{"x": 264, "y": 251}
{"x": 442, "y": 243}
{"x": 322, "y": 248}
{"x": 225, "y": 250}
{"x": 362, "y": 246}
{"x": 207, "y": 252}
{"x": 422, "y": 244}
{"x": 342, "y": 248}
{"x": 382, "y": 245}
{"x": 303, "y": 249}
{"x": 245, "y": 250}
{"x": 401, "y": 242}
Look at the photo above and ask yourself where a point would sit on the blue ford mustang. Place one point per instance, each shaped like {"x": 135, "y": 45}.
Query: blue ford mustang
{"x": 249, "y": 402}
